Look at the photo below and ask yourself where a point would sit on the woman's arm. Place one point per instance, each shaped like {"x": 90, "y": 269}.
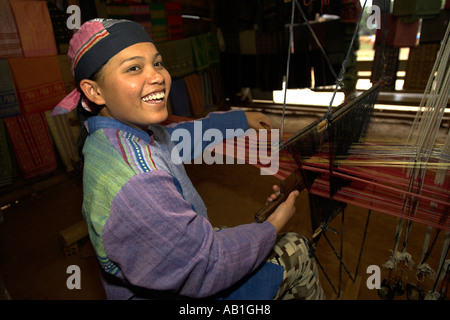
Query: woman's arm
{"x": 224, "y": 124}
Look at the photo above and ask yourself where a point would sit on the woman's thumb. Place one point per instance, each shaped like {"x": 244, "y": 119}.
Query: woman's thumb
{"x": 292, "y": 196}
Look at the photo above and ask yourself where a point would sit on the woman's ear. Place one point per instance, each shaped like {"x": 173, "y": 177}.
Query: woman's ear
{"x": 92, "y": 91}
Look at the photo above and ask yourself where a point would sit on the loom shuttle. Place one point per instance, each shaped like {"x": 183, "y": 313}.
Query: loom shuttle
{"x": 293, "y": 182}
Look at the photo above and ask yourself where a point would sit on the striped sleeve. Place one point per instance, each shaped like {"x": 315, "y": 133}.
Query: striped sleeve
{"x": 136, "y": 155}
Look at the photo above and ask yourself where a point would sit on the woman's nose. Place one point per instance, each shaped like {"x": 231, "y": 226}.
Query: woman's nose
{"x": 155, "y": 76}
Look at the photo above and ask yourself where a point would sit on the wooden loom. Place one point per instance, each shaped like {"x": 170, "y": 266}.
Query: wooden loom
{"x": 332, "y": 163}
{"x": 337, "y": 171}
{"x": 410, "y": 182}
{"x": 319, "y": 154}
{"x": 331, "y": 160}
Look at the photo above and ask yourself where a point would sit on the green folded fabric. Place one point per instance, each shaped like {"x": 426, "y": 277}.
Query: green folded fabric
{"x": 9, "y": 105}
{"x": 178, "y": 57}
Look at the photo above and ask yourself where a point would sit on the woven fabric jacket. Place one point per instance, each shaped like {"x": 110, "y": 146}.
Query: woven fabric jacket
{"x": 149, "y": 227}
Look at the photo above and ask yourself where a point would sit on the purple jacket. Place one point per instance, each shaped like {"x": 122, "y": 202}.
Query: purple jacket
{"x": 149, "y": 226}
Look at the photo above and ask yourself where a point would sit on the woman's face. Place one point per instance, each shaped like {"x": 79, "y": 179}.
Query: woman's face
{"x": 135, "y": 86}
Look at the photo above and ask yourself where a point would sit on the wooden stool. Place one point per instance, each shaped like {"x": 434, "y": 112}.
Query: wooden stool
{"x": 70, "y": 237}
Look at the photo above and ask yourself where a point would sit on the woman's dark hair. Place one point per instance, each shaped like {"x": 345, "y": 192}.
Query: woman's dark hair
{"x": 83, "y": 115}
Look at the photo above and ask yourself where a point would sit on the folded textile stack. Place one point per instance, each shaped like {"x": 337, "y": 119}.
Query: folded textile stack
{"x": 140, "y": 13}
{"x": 159, "y": 22}
{"x": 174, "y": 20}
{"x": 178, "y": 57}
{"x": 9, "y": 36}
{"x": 64, "y": 131}
{"x": 38, "y": 81}
{"x": 194, "y": 89}
{"x": 35, "y": 28}
{"x": 9, "y": 105}
{"x": 32, "y": 145}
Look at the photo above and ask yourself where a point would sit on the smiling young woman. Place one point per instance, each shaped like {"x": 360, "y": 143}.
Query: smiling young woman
{"x": 148, "y": 225}
{"x": 132, "y": 86}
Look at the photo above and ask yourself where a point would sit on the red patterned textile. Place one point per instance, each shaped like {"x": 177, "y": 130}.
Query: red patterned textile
{"x": 39, "y": 82}
{"x": 32, "y": 145}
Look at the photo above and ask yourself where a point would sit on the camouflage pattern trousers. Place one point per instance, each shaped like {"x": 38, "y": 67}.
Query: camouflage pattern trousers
{"x": 300, "y": 276}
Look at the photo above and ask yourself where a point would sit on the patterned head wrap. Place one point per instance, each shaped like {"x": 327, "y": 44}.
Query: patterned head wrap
{"x": 96, "y": 42}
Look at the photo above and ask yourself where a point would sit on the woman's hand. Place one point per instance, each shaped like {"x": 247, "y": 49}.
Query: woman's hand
{"x": 281, "y": 216}
{"x": 258, "y": 120}
{"x": 274, "y": 195}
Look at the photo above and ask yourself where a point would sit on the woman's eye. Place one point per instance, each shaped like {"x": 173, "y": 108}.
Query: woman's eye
{"x": 134, "y": 68}
{"x": 159, "y": 64}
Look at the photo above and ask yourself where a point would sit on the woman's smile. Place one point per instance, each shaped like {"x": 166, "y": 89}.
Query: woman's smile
{"x": 155, "y": 97}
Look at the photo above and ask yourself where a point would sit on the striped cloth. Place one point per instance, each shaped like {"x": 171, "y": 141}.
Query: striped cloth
{"x": 9, "y": 106}
{"x": 64, "y": 131}
{"x": 32, "y": 145}
{"x": 194, "y": 89}
{"x": 38, "y": 81}
{"x": 35, "y": 28}
{"x": 174, "y": 20}
{"x": 9, "y": 36}
{"x": 159, "y": 22}
{"x": 140, "y": 13}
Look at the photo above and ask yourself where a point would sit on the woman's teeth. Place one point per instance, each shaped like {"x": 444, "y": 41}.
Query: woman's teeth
{"x": 154, "y": 96}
